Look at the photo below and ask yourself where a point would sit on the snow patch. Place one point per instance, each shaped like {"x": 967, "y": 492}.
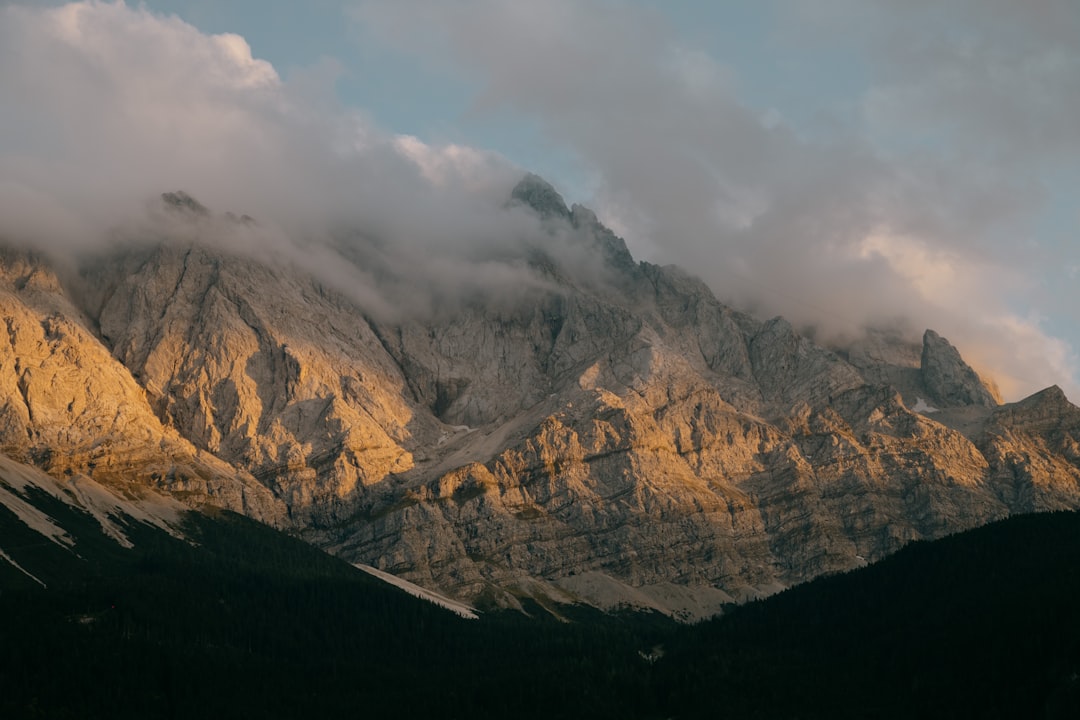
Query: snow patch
{"x": 921, "y": 406}
{"x": 104, "y": 504}
{"x": 33, "y": 518}
{"x": 442, "y": 601}
{"x": 453, "y": 432}
{"x": 21, "y": 569}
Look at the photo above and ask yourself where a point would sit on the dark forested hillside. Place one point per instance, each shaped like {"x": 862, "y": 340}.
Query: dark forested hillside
{"x": 982, "y": 624}
{"x": 247, "y": 622}
{"x": 251, "y": 623}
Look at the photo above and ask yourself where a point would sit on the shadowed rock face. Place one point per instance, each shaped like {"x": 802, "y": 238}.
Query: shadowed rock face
{"x": 624, "y": 439}
{"x": 948, "y": 379}
{"x": 537, "y": 194}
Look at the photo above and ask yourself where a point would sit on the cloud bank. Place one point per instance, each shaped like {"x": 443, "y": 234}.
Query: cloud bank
{"x": 107, "y": 104}
{"x": 909, "y": 214}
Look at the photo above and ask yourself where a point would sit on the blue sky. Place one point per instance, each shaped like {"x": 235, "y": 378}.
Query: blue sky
{"x": 841, "y": 162}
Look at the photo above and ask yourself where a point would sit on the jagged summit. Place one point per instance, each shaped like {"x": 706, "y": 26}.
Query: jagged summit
{"x": 180, "y": 201}
{"x": 1053, "y": 395}
{"x": 184, "y": 205}
{"x": 611, "y": 247}
{"x": 1046, "y": 409}
{"x": 647, "y": 445}
{"x": 538, "y": 194}
{"x": 949, "y": 379}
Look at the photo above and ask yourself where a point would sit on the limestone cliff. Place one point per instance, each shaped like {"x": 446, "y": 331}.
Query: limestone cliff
{"x": 69, "y": 407}
{"x": 267, "y": 370}
{"x": 949, "y": 379}
{"x": 609, "y": 436}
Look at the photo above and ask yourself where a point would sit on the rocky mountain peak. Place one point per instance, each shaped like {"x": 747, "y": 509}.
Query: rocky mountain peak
{"x": 180, "y": 201}
{"x": 538, "y": 194}
{"x": 612, "y": 247}
{"x": 628, "y": 440}
{"x": 1047, "y": 407}
{"x": 1053, "y": 396}
{"x": 580, "y": 226}
{"x": 949, "y": 379}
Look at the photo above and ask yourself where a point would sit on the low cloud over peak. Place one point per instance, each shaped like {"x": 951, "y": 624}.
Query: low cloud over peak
{"x": 107, "y": 105}
{"x": 910, "y": 212}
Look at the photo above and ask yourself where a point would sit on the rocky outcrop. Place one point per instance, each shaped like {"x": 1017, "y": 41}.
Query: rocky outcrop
{"x": 71, "y": 408}
{"x": 267, "y": 370}
{"x": 792, "y": 371}
{"x": 609, "y": 436}
{"x": 888, "y": 356}
{"x": 537, "y": 194}
{"x": 1033, "y": 452}
{"x": 948, "y": 379}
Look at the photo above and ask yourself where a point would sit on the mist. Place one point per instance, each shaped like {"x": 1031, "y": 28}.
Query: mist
{"x": 108, "y": 105}
{"x": 905, "y": 212}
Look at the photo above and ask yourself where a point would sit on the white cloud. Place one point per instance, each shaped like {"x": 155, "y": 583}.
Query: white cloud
{"x": 107, "y": 105}
{"x": 775, "y": 222}
{"x": 452, "y": 164}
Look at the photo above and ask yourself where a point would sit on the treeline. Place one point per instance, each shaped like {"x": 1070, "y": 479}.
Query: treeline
{"x": 250, "y": 623}
{"x": 982, "y": 624}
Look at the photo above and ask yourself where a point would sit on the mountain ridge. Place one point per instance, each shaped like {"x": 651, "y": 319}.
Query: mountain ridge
{"x": 623, "y": 426}
{"x": 981, "y": 622}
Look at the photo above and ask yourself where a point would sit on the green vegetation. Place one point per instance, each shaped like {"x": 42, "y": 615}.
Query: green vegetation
{"x": 250, "y": 623}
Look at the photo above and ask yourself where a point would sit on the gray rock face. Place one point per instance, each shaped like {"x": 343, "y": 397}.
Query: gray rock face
{"x": 619, "y": 438}
{"x": 536, "y": 193}
{"x": 949, "y": 380}
{"x": 889, "y": 357}
{"x": 1033, "y": 448}
{"x": 792, "y": 371}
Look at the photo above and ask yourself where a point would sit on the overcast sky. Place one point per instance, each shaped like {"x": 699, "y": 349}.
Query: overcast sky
{"x": 840, "y": 162}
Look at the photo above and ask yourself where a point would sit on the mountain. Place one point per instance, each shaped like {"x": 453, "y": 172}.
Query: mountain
{"x": 980, "y": 624}
{"x": 117, "y": 602}
{"x": 606, "y": 433}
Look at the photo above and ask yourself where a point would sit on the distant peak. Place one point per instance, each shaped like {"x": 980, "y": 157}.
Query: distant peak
{"x": 242, "y": 219}
{"x": 541, "y": 196}
{"x": 948, "y": 378}
{"x": 183, "y": 202}
{"x": 1052, "y": 395}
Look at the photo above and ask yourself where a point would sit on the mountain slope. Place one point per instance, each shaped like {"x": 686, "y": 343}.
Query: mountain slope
{"x": 608, "y": 432}
{"x": 238, "y": 619}
{"x": 980, "y": 624}
{"x": 69, "y": 407}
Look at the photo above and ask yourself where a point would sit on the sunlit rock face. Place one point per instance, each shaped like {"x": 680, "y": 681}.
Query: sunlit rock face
{"x": 70, "y": 407}
{"x": 610, "y": 436}
{"x": 266, "y": 370}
